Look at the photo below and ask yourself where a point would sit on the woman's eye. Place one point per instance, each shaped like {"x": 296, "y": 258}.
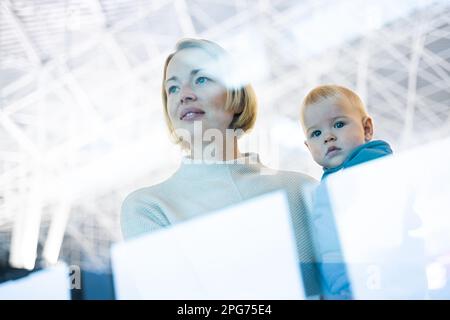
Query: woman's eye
{"x": 315, "y": 133}
{"x": 339, "y": 124}
{"x": 172, "y": 89}
{"x": 201, "y": 80}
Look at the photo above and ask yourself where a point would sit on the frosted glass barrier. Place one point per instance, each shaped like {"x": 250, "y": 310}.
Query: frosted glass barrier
{"x": 242, "y": 252}
{"x": 48, "y": 284}
{"x": 393, "y": 219}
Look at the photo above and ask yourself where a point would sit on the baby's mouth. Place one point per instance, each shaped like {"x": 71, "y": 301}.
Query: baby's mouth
{"x": 332, "y": 150}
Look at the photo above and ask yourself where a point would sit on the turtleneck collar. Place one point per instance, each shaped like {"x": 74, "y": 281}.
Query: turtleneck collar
{"x": 245, "y": 158}
{"x": 210, "y": 170}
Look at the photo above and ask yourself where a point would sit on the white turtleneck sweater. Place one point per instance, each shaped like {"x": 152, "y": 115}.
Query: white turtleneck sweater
{"x": 199, "y": 188}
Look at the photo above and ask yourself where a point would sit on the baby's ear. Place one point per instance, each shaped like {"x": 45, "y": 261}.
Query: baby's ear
{"x": 368, "y": 128}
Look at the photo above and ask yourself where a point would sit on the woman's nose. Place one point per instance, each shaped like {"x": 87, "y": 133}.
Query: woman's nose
{"x": 187, "y": 95}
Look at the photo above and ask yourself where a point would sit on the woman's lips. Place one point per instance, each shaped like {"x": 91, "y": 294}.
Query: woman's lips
{"x": 191, "y": 114}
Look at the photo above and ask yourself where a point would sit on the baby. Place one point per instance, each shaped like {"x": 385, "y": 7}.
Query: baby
{"x": 338, "y": 134}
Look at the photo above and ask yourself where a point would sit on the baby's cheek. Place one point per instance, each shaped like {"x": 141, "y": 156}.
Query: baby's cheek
{"x": 317, "y": 153}
{"x": 319, "y": 156}
{"x": 342, "y": 158}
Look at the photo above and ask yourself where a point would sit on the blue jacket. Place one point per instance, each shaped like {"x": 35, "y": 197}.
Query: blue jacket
{"x": 333, "y": 273}
{"x": 366, "y": 152}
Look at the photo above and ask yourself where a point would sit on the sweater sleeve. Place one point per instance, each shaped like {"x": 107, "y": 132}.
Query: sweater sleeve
{"x": 141, "y": 214}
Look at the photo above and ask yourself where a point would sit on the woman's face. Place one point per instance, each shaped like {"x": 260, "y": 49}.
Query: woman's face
{"x": 196, "y": 92}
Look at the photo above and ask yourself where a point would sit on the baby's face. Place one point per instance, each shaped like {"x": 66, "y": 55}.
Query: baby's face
{"x": 332, "y": 131}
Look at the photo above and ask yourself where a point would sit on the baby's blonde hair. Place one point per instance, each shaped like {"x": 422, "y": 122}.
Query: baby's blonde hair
{"x": 334, "y": 93}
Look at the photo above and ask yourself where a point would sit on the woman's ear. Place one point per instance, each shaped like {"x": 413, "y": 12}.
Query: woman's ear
{"x": 368, "y": 128}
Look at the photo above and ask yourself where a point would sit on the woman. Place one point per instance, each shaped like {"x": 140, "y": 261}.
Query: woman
{"x": 206, "y": 110}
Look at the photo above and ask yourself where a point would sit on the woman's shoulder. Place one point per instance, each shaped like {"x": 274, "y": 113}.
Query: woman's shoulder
{"x": 145, "y": 208}
{"x": 147, "y": 194}
{"x": 291, "y": 176}
{"x": 292, "y": 181}
{"x": 143, "y": 211}
{"x": 139, "y": 194}
{"x": 298, "y": 175}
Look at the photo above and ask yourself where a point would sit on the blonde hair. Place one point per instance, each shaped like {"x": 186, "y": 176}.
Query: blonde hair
{"x": 238, "y": 98}
{"x": 335, "y": 93}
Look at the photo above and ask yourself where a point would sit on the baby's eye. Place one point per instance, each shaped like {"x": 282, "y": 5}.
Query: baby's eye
{"x": 172, "y": 89}
{"x": 201, "y": 80}
{"x": 339, "y": 124}
{"x": 315, "y": 133}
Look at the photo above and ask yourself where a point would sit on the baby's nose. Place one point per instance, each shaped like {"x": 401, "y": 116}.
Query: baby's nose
{"x": 330, "y": 138}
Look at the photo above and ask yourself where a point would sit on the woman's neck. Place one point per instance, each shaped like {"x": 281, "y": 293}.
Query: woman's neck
{"x": 216, "y": 151}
